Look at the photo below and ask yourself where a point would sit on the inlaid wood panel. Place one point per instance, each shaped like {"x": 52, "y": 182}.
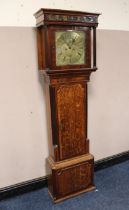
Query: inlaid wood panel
{"x": 71, "y": 114}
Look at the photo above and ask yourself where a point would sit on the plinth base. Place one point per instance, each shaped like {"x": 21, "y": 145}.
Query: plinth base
{"x": 70, "y": 177}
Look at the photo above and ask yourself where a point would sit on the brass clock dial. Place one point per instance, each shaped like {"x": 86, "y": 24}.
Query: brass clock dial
{"x": 70, "y": 48}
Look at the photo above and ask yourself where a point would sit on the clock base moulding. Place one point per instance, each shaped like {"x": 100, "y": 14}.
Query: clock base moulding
{"x": 57, "y": 200}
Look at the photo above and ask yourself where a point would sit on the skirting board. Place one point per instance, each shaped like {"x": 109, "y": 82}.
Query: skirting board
{"x": 23, "y": 187}
{"x": 112, "y": 160}
{"x": 41, "y": 182}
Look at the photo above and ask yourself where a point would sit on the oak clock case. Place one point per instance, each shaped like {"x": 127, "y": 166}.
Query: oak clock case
{"x": 66, "y": 58}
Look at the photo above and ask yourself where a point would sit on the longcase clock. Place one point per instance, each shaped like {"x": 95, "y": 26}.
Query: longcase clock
{"x": 67, "y": 57}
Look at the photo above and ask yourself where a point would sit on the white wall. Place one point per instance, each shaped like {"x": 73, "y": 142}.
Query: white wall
{"x": 115, "y": 13}
{"x": 109, "y": 95}
{"x": 23, "y": 133}
{"x": 23, "y": 136}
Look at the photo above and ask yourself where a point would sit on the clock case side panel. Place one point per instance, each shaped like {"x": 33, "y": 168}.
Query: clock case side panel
{"x": 54, "y": 127}
{"x": 51, "y": 46}
{"x": 44, "y": 50}
{"x": 51, "y": 119}
{"x": 41, "y": 46}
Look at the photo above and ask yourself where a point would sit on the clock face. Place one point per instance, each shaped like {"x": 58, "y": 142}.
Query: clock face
{"x": 70, "y": 48}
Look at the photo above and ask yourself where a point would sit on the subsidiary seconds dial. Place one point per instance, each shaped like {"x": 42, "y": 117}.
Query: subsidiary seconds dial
{"x": 70, "y": 48}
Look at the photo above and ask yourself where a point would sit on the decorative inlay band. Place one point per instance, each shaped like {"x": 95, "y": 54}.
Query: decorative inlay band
{"x": 70, "y": 18}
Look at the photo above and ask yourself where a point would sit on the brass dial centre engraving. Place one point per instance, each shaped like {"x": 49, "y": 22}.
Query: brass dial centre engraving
{"x": 70, "y": 48}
